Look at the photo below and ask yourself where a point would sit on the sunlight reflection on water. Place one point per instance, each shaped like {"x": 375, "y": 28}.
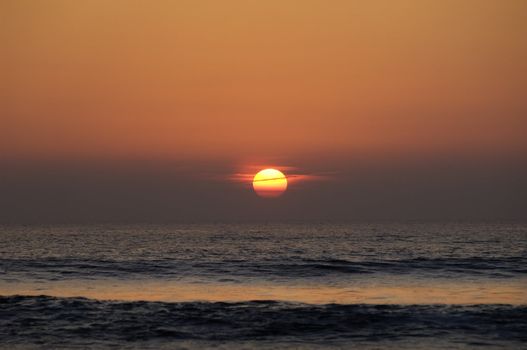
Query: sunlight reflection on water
{"x": 396, "y": 292}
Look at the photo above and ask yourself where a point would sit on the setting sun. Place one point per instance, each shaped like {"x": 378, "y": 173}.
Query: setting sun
{"x": 270, "y": 183}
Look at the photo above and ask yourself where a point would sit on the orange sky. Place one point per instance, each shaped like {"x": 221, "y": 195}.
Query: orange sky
{"x": 248, "y": 79}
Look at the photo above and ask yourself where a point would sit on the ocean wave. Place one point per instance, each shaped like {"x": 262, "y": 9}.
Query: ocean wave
{"x": 44, "y": 320}
{"x": 66, "y": 268}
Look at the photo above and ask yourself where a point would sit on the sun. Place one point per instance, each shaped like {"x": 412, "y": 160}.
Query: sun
{"x": 269, "y": 183}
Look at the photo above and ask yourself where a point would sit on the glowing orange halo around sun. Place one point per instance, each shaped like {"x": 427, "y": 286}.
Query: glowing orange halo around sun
{"x": 269, "y": 183}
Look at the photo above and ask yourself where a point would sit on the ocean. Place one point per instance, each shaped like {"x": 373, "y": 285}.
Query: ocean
{"x": 264, "y": 286}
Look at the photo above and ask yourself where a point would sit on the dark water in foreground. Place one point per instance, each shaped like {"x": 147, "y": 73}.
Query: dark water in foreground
{"x": 63, "y": 321}
{"x": 264, "y": 286}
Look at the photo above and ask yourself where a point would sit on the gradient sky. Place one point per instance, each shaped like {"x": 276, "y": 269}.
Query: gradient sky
{"x": 144, "y": 110}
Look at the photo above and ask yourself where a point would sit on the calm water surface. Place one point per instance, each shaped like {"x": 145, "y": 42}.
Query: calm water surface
{"x": 264, "y": 286}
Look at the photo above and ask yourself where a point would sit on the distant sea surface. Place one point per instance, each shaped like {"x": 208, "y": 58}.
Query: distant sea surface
{"x": 264, "y": 286}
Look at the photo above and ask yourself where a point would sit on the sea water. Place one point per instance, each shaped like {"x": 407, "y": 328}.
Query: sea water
{"x": 366, "y": 286}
